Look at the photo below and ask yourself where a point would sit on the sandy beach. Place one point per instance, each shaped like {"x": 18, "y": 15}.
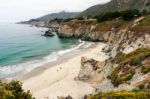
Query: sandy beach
{"x": 57, "y": 78}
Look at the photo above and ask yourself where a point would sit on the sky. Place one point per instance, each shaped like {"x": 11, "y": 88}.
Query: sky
{"x": 18, "y": 10}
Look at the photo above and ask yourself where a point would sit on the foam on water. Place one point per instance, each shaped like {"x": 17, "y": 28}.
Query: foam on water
{"x": 12, "y": 70}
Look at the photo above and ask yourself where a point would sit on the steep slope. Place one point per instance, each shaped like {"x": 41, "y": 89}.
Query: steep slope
{"x": 115, "y": 5}
{"x": 60, "y": 15}
{"x": 128, "y": 66}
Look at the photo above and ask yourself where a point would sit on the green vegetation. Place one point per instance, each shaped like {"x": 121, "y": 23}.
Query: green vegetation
{"x": 80, "y": 18}
{"x": 148, "y": 3}
{"x": 60, "y": 15}
{"x": 126, "y": 15}
{"x": 127, "y": 64}
{"x": 145, "y": 86}
{"x": 121, "y": 75}
{"x": 117, "y": 5}
{"x": 136, "y": 61}
{"x": 145, "y": 21}
{"x": 107, "y": 16}
{"x": 120, "y": 95}
{"x": 143, "y": 25}
{"x": 141, "y": 52}
{"x": 146, "y": 69}
{"x": 13, "y": 90}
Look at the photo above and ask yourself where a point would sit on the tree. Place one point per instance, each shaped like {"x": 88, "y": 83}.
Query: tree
{"x": 128, "y": 15}
{"x": 107, "y": 16}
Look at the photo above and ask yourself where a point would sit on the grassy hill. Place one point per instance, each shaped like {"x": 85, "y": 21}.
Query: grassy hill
{"x": 115, "y": 5}
{"x": 60, "y": 15}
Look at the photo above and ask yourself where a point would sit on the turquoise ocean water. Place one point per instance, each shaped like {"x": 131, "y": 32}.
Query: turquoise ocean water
{"x": 22, "y": 48}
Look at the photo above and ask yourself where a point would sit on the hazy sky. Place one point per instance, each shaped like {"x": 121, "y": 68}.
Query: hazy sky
{"x": 16, "y": 10}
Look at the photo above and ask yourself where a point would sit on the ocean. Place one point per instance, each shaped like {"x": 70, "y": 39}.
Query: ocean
{"x": 22, "y": 48}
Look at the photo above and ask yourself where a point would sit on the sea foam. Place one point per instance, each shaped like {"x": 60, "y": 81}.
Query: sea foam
{"x": 12, "y": 70}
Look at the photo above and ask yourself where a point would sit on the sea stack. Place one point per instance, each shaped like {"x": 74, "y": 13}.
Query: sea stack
{"x": 48, "y": 33}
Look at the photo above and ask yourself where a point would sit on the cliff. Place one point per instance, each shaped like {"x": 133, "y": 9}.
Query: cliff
{"x": 128, "y": 46}
{"x": 115, "y": 32}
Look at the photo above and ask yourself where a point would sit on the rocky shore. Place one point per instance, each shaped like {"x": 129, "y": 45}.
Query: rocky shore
{"x": 124, "y": 38}
{"x": 92, "y": 69}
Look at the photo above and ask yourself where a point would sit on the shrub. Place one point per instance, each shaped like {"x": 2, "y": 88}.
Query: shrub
{"x": 13, "y": 90}
{"x": 80, "y": 18}
{"x": 107, "y": 16}
{"x": 145, "y": 69}
{"x": 126, "y": 75}
{"x": 128, "y": 15}
{"x": 136, "y": 61}
{"x": 129, "y": 77}
{"x": 127, "y": 64}
{"x": 135, "y": 90}
{"x": 141, "y": 87}
{"x": 120, "y": 95}
{"x": 148, "y": 3}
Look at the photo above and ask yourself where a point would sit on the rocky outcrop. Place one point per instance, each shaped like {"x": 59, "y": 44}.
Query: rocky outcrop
{"x": 85, "y": 32}
{"x": 119, "y": 37}
{"x": 91, "y": 71}
{"x": 48, "y": 33}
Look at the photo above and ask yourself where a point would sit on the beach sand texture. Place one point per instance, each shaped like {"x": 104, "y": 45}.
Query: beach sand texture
{"x": 57, "y": 79}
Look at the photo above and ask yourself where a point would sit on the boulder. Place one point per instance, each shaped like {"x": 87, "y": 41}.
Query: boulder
{"x": 68, "y": 97}
{"x": 48, "y": 33}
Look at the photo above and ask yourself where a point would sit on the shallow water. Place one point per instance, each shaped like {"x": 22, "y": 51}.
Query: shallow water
{"x": 22, "y": 47}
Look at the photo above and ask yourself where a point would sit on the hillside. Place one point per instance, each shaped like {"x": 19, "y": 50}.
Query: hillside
{"x": 128, "y": 48}
{"x": 114, "y": 5}
{"x": 60, "y": 15}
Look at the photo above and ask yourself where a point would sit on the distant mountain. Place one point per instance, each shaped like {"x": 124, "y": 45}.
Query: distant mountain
{"x": 115, "y": 5}
{"x": 60, "y": 15}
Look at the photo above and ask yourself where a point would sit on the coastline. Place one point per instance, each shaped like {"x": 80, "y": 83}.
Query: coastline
{"x": 66, "y": 56}
{"x": 57, "y": 78}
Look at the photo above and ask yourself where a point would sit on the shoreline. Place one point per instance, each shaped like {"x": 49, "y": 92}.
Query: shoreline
{"x": 57, "y": 78}
{"x": 31, "y": 64}
{"x": 41, "y": 68}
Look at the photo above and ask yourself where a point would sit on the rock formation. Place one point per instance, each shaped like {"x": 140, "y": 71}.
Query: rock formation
{"x": 120, "y": 41}
{"x": 118, "y": 35}
{"x": 91, "y": 71}
{"x": 48, "y": 33}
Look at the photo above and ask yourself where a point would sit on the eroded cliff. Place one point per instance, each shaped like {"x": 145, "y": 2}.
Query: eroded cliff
{"x": 129, "y": 41}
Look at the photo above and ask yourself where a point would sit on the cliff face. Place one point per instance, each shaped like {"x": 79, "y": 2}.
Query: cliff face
{"x": 116, "y": 33}
{"x": 128, "y": 48}
{"x": 122, "y": 39}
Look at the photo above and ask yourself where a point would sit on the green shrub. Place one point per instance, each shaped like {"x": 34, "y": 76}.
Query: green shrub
{"x": 120, "y": 95}
{"x": 135, "y": 90}
{"x": 107, "y": 16}
{"x": 141, "y": 87}
{"x": 129, "y": 14}
{"x": 145, "y": 69}
{"x": 13, "y": 90}
{"x": 127, "y": 64}
{"x": 80, "y": 18}
{"x": 126, "y": 15}
{"x": 136, "y": 61}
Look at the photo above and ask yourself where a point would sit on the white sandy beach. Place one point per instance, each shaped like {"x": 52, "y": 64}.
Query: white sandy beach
{"x": 52, "y": 80}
